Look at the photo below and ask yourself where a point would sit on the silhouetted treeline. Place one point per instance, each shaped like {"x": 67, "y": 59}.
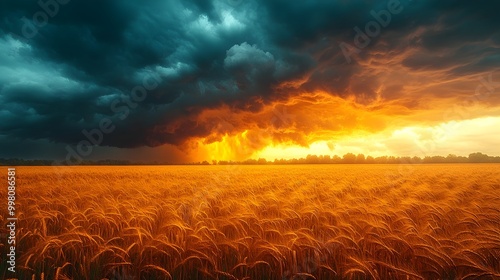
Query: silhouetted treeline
{"x": 36, "y": 162}
{"x": 24, "y": 162}
{"x": 19, "y": 162}
{"x": 351, "y": 158}
{"x": 348, "y": 158}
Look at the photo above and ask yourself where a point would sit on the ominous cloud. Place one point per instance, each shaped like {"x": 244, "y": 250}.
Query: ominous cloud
{"x": 153, "y": 69}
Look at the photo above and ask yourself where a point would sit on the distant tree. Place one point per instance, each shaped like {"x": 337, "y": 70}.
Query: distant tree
{"x": 312, "y": 159}
{"x": 370, "y": 159}
{"x": 360, "y": 158}
{"x": 349, "y": 158}
{"x": 451, "y": 158}
{"x": 336, "y": 159}
{"x": 250, "y": 161}
{"x": 434, "y": 159}
{"x": 462, "y": 159}
{"x": 416, "y": 159}
{"x": 324, "y": 159}
{"x": 404, "y": 160}
{"x": 392, "y": 159}
{"x": 262, "y": 161}
{"x": 382, "y": 159}
{"x": 438, "y": 159}
{"x": 478, "y": 158}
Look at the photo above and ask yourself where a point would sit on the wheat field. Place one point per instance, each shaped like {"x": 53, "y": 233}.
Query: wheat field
{"x": 258, "y": 222}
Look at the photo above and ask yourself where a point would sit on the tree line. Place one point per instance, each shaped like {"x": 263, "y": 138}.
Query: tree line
{"x": 351, "y": 158}
{"x": 348, "y": 158}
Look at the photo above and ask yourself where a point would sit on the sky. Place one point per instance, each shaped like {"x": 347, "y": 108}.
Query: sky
{"x": 182, "y": 81}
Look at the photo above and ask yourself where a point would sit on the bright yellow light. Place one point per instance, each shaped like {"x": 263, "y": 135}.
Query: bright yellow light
{"x": 449, "y": 137}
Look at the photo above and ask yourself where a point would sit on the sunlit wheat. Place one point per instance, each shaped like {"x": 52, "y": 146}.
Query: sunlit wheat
{"x": 262, "y": 222}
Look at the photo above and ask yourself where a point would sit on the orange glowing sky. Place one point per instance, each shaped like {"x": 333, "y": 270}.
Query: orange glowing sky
{"x": 408, "y": 113}
{"x": 184, "y": 81}
{"x": 322, "y": 124}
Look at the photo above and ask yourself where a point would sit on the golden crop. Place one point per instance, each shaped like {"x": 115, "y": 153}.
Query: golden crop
{"x": 258, "y": 222}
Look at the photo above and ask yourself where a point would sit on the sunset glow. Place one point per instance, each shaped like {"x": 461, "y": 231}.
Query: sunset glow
{"x": 321, "y": 124}
{"x": 232, "y": 80}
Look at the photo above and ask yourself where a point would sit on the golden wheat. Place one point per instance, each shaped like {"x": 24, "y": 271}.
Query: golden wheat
{"x": 259, "y": 222}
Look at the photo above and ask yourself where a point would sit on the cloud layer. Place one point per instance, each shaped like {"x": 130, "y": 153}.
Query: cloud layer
{"x": 175, "y": 72}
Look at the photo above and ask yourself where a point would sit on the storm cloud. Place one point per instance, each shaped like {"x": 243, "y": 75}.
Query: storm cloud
{"x": 153, "y": 67}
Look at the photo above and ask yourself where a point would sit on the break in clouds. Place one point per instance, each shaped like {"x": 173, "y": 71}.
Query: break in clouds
{"x": 146, "y": 70}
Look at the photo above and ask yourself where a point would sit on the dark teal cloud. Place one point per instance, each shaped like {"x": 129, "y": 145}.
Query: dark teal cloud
{"x": 83, "y": 63}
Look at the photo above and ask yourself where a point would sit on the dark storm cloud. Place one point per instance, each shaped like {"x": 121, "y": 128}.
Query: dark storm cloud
{"x": 81, "y": 66}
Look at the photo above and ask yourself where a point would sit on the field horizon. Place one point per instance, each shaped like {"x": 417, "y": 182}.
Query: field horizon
{"x": 348, "y": 158}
